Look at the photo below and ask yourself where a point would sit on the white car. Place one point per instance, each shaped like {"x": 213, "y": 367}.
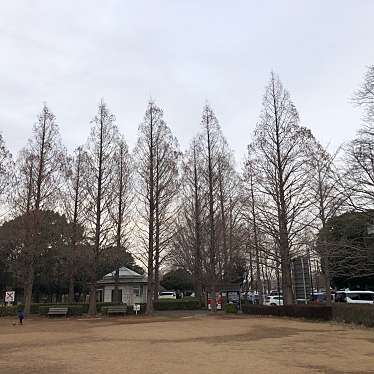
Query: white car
{"x": 273, "y": 300}
{"x": 355, "y": 297}
{"x": 167, "y": 295}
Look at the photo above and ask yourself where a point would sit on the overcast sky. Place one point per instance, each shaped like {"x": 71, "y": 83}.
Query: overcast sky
{"x": 70, "y": 54}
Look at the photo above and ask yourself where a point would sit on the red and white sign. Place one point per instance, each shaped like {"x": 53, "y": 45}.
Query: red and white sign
{"x": 10, "y": 296}
{"x": 219, "y": 301}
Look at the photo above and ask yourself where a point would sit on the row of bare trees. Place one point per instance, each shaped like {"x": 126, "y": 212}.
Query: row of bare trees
{"x": 194, "y": 209}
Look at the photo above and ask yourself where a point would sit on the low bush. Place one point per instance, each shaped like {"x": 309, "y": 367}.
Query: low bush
{"x": 231, "y": 308}
{"x": 101, "y": 307}
{"x": 319, "y": 312}
{"x": 358, "y": 314}
{"x": 8, "y": 310}
{"x": 178, "y": 304}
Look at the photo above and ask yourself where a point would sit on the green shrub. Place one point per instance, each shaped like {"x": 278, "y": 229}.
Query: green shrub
{"x": 8, "y": 310}
{"x": 101, "y": 307}
{"x": 359, "y": 314}
{"x": 319, "y": 312}
{"x": 178, "y": 304}
{"x": 231, "y": 308}
{"x": 43, "y": 310}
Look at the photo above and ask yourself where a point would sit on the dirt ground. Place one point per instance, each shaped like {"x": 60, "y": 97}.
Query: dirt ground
{"x": 183, "y": 343}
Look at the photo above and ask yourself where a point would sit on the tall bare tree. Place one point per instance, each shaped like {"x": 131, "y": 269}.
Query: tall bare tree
{"x": 279, "y": 142}
{"x": 99, "y": 187}
{"x": 39, "y": 174}
{"x": 251, "y": 214}
{"x": 211, "y": 140}
{"x": 157, "y": 160}
{"x": 189, "y": 241}
{"x": 121, "y": 213}
{"x": 327, "y": 199}
{"x": 73, "y": 208}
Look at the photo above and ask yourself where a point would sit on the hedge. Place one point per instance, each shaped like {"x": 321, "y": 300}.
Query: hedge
{"x": 8, "y": 310}
{"x": 359, "y": 314}
{"x": 231, "y": 308}
{"x": 319, "y": 312}
{"x": 179, "y": 304}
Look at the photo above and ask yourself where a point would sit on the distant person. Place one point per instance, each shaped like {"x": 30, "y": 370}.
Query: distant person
{"x": 21, "y": 316}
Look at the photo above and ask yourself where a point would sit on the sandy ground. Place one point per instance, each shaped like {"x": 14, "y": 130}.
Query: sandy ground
{"x": 183, "y": 343}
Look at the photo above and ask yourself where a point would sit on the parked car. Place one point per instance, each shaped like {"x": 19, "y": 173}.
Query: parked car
{"x": 167, "y": 295}
{"x": 320, "y": 298}
{"x": 274, "y": 300}
{"x": 354, "y": 297}
{"x": 275, "y": 293}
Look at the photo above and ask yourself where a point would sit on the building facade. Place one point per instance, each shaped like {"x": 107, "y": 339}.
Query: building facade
{"x": 132, "y": 287}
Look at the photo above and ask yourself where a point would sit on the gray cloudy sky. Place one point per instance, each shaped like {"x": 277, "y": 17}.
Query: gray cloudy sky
{"x": 181, "y": 53}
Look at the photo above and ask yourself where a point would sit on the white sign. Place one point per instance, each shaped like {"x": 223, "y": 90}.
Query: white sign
{"x": 137, "y": 308}
{"x": 9, "y": 296}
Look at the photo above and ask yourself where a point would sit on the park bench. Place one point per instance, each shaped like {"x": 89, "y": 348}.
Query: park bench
{"x": 57, "y": 312}
{"x": 117, "y": 309}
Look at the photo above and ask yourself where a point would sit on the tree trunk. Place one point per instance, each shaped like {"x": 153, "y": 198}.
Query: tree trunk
{"x": 257, "y": 249}
{"x": 71, "y": 288}
{"x": 197, "y": 264}
{"x": 212, "y": 247}
{"x": 326, "y": 279}
{"x": 116, "y": 293}
{"x": 150, "y": 290}
{"x": 157, "y": 229}
{"x": 29, "y": 281}
{"x": 213, "y": 295}
{"x": 92, "y": 301}
{"x": 286, "y": 280}
{"x": 223, "y": 219}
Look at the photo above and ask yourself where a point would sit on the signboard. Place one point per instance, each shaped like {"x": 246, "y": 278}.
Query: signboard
{"x": 301, "y": 278}
{"x": 10, "y": 296}
{"x": 219, "y": 301}
{"x": 136, "y": 308}
{"x": 234, "y": 298}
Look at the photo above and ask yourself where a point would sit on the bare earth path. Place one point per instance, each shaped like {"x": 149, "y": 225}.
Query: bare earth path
{"x": 183, "y": 344}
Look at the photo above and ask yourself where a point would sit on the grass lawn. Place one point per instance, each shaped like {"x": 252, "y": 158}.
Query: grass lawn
{"x": 183, "y": 343}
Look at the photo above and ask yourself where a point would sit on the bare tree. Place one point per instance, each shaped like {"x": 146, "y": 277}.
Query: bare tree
{"x": 364, "y": 96}
{"x": 279, "y": 143}
{"x": 358, "y": 178}
{"x": 99, "y": 187}
{"x": 6, "y": 173}
{"x": 211, "y": 140}
{"x": 73, "y": 208}
{"x": 250, "y": 202}
{"x": 189, "y": 241}
{"x": 157, "y": 156}
{"x": 327, "y": 199}
{"x": 166, "y": 188}
{"x": 121, "y": 213}
{"x": 39, "y": 174}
